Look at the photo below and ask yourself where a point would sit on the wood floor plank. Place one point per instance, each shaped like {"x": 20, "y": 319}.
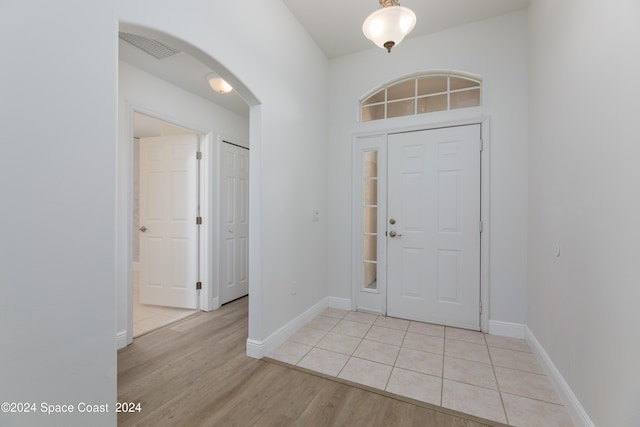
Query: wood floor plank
{"x": 196, "y": 373}
{"x": 324, "y": 408}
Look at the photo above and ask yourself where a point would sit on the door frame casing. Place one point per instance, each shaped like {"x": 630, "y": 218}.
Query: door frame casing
{"x": 381, "y": 133}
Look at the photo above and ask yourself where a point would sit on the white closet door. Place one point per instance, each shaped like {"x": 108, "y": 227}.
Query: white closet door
{"x": 234, "y": 246}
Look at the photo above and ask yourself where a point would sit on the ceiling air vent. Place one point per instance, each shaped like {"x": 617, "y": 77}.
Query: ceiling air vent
{"x": 153, "y": 47}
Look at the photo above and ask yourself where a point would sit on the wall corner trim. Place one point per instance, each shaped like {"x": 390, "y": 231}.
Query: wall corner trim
{"x": 575, "y": 409}
{"x": 506, "y": 329}
{"x": 121, "y": 340}
{"x": 259, "y": 349}
{"x": 215, "y": 304}
{"x": 255, "y": 348}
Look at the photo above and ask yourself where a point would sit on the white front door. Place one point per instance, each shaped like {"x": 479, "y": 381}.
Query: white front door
{"x": 234, "y": 207}
{"x": 168, "y": 230}
{"x": 433, "y": 226}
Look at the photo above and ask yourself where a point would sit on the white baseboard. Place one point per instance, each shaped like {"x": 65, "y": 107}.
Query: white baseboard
{"x": 121, "y": 340}
{"x": 341, "y": 303}
{"x": 506, "y": 329}
{"x": 575, "y": 409}
{"x": 258, "y": 349}
{"x": 255, "y": 349}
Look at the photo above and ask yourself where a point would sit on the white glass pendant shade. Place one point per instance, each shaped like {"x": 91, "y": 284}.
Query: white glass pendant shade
{"x": 388, "y": 26}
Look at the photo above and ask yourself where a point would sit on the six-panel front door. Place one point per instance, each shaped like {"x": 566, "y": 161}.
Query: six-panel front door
{"x": 433, "y": 226}
{"x": 168, "y": 203}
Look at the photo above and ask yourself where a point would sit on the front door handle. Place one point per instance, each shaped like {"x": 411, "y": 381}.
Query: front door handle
{"x": 394, "y": 234}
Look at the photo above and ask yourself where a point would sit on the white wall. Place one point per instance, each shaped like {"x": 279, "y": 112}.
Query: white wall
{"x": 287, "y": 73}
{"x": 57, "y": 226}
{"x": 583, "y": 193}
{"x": 144, "y": 92}
{"x": 496, "y": 49}
{"x": 59, "y": 167}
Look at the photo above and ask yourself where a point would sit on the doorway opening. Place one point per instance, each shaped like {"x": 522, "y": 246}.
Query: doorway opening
{"x": 166, "y": 88}
{"x": 165, "y": 237}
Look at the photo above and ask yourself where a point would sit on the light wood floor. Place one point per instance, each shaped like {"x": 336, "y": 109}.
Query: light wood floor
{"x": 196, "y": 373}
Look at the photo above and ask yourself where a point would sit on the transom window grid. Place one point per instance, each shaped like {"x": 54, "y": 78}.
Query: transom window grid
{"x": 422, "y": 94}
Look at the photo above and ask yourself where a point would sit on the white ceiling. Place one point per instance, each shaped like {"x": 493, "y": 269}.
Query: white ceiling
{"x": 183, "y": 71}
{"x": 335, "y": 25}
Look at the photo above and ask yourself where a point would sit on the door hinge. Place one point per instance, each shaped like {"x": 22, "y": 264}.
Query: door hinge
{"x": 199, "y": 155}
{"x": 481, "y": 145}
{"x": 198, "y": 220}
{"x": 481, "y": 226}
{"x": 198, "y": 286}
{"x": 480, "y": 307}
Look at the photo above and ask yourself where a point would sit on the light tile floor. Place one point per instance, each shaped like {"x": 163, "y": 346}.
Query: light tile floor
{"x": 492, "y": 377}
{"x": 147, "y": 318}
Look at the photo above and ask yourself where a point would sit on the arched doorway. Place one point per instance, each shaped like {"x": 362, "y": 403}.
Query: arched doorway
{"x": 211, "y": 137}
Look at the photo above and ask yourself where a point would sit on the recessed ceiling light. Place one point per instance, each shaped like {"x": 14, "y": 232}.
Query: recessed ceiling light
{"x": 218, "y": 84}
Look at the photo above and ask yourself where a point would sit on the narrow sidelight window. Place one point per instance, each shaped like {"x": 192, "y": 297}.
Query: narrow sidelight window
{"x": 370, "y": 217}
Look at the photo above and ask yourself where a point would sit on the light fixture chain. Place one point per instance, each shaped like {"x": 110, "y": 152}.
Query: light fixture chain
{"x": 388, "y": 3}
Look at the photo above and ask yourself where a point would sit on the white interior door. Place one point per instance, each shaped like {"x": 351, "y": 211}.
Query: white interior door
{"x": 168, "y": 230}
{"x": 234, "y": 194}
{"x": 433, "y": 226}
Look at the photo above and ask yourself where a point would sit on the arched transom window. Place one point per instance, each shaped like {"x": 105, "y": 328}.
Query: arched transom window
{"x": 424, "y": 93}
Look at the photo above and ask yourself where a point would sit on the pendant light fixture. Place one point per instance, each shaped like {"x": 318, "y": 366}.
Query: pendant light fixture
{"x": 387, "y": 26}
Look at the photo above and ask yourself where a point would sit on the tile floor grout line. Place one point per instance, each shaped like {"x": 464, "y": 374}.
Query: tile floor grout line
{"x": 493, "y": 368}
{"x": 304, "y": 355}
{"x": 393, "y": 367}
{"x": 467, "y": 360}
{"x": 475, "y": 385}
{"x": 442, "y": 379}
{"x": 351, "y": 355}
{"x": 391, "y": 373}
{"x": 532, "y": 398}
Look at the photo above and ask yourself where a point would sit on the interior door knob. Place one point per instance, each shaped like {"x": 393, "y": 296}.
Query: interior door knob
{"x": 143, "y": 228}
{"x": 394, "y": 234}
